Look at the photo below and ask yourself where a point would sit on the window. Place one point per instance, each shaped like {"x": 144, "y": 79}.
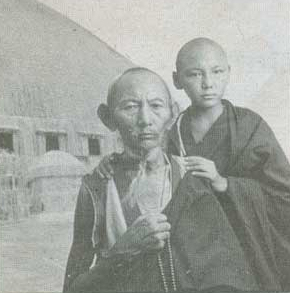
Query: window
{"x": 52, "y": 142}
{"x": 94, "y": 146}
{"x": 6, "y": 141}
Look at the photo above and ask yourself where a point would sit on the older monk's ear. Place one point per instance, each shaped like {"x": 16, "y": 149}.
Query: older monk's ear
{"x": 175, "y": 113}
{"x": 176, "y": 80}
{"x": 175, "y": 110}
{"x": 105, "y": 115}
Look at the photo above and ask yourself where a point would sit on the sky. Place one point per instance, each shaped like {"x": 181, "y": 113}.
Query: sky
{"x": 255, "y": 34}
{"x": 150, "y": 33}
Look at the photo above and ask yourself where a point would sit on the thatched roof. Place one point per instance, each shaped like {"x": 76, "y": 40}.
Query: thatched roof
{"x": 49, "y": 65}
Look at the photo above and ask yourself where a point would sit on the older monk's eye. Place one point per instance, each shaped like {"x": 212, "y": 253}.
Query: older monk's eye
{"x": 156, "y": 106}
{"x": 194, "y": 74}
{"x": 130, "y": 107}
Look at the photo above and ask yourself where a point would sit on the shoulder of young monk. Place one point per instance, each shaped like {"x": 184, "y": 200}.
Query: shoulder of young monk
{"x": 246, "y": 114}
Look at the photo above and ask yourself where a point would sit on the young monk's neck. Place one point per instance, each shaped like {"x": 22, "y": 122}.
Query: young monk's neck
{"x": 202, "y": 120}
{"x": 207, "y": 114}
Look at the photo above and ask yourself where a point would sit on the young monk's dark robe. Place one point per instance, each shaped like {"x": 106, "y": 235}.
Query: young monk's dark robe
{"x": 237, "y": 239}
{"x": 252, "y": 217}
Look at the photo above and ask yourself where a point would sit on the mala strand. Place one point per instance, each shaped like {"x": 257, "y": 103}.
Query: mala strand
{"x": 171, "y": 266}
{"x": 165, "y": 286}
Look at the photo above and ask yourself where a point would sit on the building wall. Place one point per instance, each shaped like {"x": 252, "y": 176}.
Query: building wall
{"x": 29, "y": 138}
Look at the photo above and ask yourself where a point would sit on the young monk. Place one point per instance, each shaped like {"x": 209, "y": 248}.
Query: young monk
{"x": 237, "y": 189}
{"x": 252, "y": 179}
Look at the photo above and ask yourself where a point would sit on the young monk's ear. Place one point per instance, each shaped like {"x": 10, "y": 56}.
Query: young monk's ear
{"x": 176, "y": 80}
{"x": 105, "y": 115}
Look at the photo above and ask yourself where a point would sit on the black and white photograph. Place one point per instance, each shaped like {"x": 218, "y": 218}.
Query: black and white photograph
{"x": 144, "y": 146}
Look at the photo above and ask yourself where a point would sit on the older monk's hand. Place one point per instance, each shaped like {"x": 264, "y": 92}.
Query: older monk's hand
{"x": 149, "y": 232}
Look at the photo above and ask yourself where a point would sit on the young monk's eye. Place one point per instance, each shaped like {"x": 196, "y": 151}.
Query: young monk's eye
{"x": 218, "y": 71}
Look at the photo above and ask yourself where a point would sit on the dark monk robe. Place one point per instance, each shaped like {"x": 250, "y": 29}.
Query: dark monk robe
{"x": 238, "y": 238}
{"x": 252, "y": 216}
{"x": 142, "y": 272}
{"x": 92, "y": 236}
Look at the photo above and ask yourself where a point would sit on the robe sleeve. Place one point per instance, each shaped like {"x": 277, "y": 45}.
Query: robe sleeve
{"x": 259, "y": 195}
{"x": 81, "y": 253}
{"x": 81, "y": 275}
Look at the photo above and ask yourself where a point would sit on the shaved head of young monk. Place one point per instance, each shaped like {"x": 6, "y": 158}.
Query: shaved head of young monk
{"x": 202, "y": 71}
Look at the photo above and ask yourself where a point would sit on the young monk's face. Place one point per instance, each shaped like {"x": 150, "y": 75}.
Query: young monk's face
{"x": 142, "y": 111}
{"x": 203, "y": 73}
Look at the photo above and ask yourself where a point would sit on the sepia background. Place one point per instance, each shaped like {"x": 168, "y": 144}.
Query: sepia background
{"x": 57, "y": 58}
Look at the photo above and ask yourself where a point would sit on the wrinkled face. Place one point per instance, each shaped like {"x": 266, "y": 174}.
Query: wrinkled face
{"x": 203, "y": 73}
{"x": 142, "y": 111}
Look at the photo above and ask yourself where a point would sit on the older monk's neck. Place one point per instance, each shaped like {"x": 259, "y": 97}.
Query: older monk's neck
{"x": 151, "y": 159}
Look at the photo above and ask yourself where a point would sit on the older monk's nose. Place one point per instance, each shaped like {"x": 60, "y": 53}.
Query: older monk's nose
{"x": 144, "y": 116}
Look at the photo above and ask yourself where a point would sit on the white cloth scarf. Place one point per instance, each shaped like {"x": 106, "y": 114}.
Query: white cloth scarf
{"x": 150, "y": 194}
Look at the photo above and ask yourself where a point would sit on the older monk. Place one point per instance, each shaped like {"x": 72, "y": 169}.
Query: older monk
{"x": 120, "y": 226}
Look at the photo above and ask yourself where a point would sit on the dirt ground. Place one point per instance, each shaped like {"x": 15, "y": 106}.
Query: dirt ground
{"x": 34, "y": 251}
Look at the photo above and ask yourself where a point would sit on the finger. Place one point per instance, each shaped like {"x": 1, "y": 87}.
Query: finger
{"x": 150, "y": 217}
{"x": 97, "y": 170}
{"x": 157, "y": 229}
{"x": 156, "y": 237}
{"x": 158, "y": 217}
{"x": 191, "y": 166}
{"x": 161, "y": 236}
{"x": 194, "y": 159}
{"x": 108, "y": 169}
{"x": 161, "y": 218}
{"x": 109, "y": 162}
{"x": 104, "y": 171}
{"x": 201, "y": 174}
{"x": 162, "y": 227}
{"x": 157, "y": 245}
{"x": 144, "y": 229}
{"x": 201, "y": 168}
{"x": 155, "y": 241}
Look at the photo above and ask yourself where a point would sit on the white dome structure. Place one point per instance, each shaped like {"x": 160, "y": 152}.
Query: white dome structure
{"x": 56, "y": 164}
{"x": 54, "y": 180}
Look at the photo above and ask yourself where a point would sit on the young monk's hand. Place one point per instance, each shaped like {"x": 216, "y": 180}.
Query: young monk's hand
{"x": 105, "y": 169}
{"x": 149, "y": 232}
{"x": 202, "y": 167}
